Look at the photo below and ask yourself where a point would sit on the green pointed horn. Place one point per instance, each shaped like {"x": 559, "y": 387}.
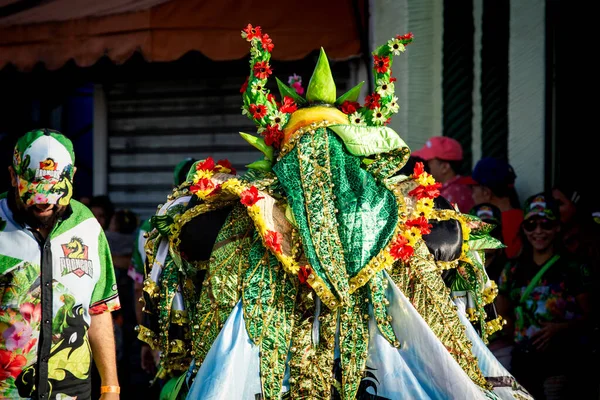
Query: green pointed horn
{"x": 321, "y": 88}
{"x": 261, "y": 165}
{"x": 350, "y": 95}
{"x": 260, "y": 144}
{"x": 285, "y": 90}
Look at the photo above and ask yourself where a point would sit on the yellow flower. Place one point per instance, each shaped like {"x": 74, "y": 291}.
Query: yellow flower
{"x": 412, "y": 235}
{"x": 425, "y": 179}
{"x": 232, "y": 186}
{"x": 424, "y": 207}
{"x": 201, "y": 174}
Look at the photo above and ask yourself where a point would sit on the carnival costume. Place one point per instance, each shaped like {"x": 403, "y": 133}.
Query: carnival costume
{"x": 318, "y": 273}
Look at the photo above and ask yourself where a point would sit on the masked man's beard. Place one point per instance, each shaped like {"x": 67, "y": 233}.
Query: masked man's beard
{"x": 23, "y": 214}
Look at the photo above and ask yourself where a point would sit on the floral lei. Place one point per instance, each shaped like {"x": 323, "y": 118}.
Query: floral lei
{"x": 401, "y": 247}
{"x": 417, "y": 224}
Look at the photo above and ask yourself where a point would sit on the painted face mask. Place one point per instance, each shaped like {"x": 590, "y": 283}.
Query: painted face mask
{"x": 43, "y": 161}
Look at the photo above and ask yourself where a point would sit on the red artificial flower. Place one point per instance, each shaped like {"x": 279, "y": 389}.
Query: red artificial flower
{"x": 349, "y": 107}
{"x": 392, "y": 79}
{"x": 303, "y": 273}
{"x": 224, "y": 165}
{"x": 408, "y": 36}
{"x": 206, "y": 165}
{"x": 419, "y": 169}
{"x": 245, "y": 85}
{"x": 273, "y": 136}
{"x": 203, "y": 185}
{"x": 381, "y": 64}
{"x": 422, "y": 223}
{"x": 257, "y": 110}
{"x": 273, "y": 241}
{"x": 267, "y": 43}
{"x": 271, "y": 99}
{"x": 372, "y": 101}
{"x": 11, "y": 364}
{"x": 288, "y": 105}
{"x": 387, "y": 121}
{"x": 252, "y": 32}
{"x": 430, "y": 191}
{"x": 401, "y": 250}
{"x": 249, "y": 197}
{"x": 262, "y": 70}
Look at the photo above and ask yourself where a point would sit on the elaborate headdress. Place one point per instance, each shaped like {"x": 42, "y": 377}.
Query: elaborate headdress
{"x": 278, "y": 127}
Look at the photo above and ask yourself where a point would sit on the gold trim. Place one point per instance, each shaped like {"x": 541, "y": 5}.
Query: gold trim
{"x": 151, "y": 288}
{"x": 288, "y": 146}
{"x": 323, "y": 291}
{"x": 147, "y": 336}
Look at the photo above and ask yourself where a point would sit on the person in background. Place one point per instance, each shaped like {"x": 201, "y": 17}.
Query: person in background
{"x": 121, "y": 229}
{"x": 580, "y": 236}
{"x": 444, "y": 157}
{"x": 495, "y": 259}
{"x": 85, "y": 200}
{"x": 572, "y": 215}
{"x": 103, "y": 209}
{"x": 493, "y": 181}
{"x": 544, "y": 294}
{"x": 57, "y": 282}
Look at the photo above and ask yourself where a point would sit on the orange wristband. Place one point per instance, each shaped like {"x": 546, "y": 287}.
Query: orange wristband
{"x": 110, "y": 389}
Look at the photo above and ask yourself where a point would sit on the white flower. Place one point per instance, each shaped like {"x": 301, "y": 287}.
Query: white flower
{"x": 396, "y": 47}
{"x": 357, "y": 118}
{"x": 258, "y": 86}
{"x": 379, "y": 117}
{"x": 278, "y": 119}
{"x": 392, "y": 106}
{"x": 384, "y": 87}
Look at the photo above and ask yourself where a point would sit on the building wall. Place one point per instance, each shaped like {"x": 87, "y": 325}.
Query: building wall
{"x": 419, "y": 69}
{"x": 419, "y": 74}
{"x": 526, "y": 95}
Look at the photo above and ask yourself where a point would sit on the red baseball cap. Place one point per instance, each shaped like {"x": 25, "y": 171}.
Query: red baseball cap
{"x": 441, "y": 147}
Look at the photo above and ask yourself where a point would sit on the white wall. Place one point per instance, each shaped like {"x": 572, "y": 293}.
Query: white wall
{"x": 476, "y": 137}
{"x": 526, "y": 94}
{"x": 419, "y": 69}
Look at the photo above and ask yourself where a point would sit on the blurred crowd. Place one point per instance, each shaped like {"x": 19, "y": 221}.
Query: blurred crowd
{"x": 546, "y": 273}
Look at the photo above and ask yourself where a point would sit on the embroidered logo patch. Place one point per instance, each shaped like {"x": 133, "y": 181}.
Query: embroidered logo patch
{"x": 76, "y": 259}
{"x": 48, "y": 170}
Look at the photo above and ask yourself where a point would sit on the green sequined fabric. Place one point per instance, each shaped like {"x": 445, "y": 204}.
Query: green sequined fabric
{"x": 344, "y": 216}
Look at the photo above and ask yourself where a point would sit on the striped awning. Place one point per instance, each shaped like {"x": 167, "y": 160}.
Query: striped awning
{"x": 53, "y": 32}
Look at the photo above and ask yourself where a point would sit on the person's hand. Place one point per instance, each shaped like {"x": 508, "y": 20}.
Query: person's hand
{"x": 148, "y": 359}
{"x": 542, "y": 338}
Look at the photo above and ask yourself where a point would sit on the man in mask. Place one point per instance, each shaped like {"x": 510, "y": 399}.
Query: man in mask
{"x": 57, "y": 283}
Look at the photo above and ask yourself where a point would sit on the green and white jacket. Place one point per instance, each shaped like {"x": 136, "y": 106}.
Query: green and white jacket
{"x": 48, "y": 290}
